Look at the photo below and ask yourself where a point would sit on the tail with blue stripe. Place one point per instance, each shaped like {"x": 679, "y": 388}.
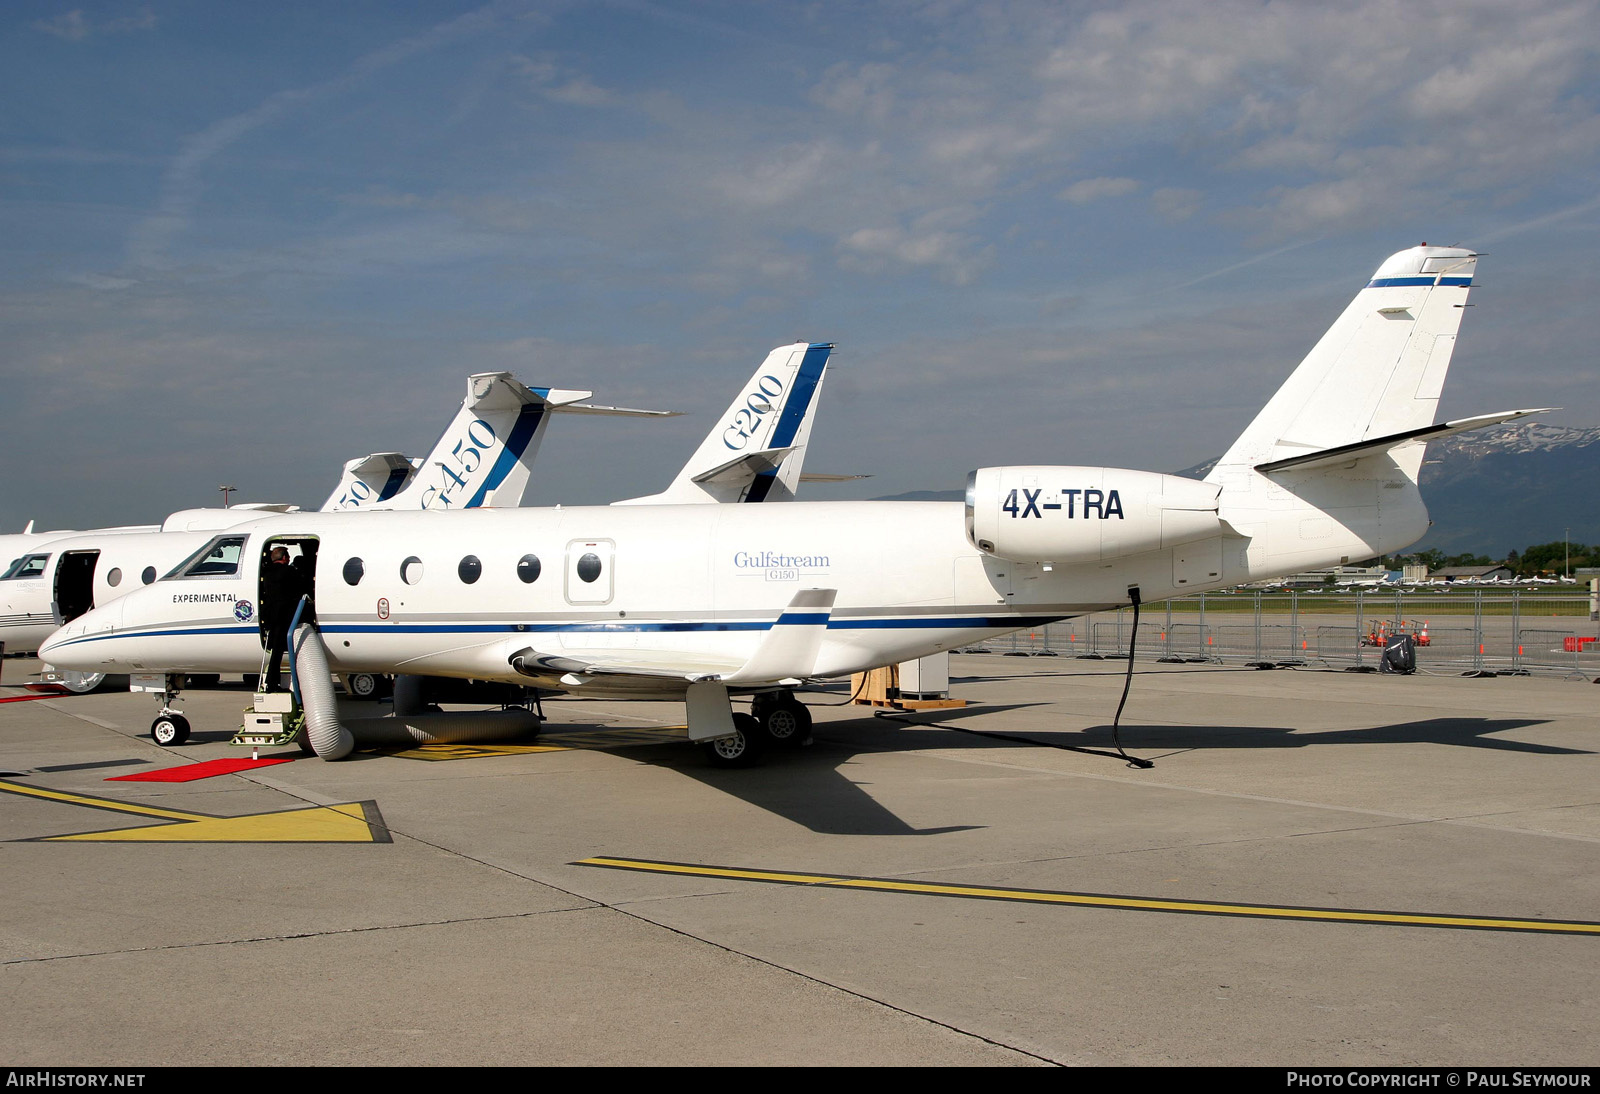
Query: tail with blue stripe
{"x": 369, "y": 481}
{"x": 757, "y": 448}
{"x": 485, "y": 456}
{"x": 1377, "y": 372}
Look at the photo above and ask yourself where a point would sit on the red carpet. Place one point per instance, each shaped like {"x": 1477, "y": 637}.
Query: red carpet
{"x": 188, "y": 773}
{"x": 25, "y": 698}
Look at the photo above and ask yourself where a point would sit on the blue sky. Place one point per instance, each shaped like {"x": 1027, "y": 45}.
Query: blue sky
{"x": 243, "y": 243}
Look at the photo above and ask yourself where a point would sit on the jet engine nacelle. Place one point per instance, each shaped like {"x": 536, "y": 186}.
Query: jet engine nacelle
{"x": 1085, "y": 514}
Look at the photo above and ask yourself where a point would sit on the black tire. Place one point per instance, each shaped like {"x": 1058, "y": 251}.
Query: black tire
{"x": 744, "y": 749}
{"x": 366, "y": 686}
{"x": 169, "y": 729}
{"x": 786, "y": 722}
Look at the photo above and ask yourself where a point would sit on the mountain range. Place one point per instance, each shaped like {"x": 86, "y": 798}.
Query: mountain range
{"x": 1488, "y": 492}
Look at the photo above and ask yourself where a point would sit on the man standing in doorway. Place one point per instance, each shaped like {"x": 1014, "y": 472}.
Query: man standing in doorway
{"x": 281, "y": 589}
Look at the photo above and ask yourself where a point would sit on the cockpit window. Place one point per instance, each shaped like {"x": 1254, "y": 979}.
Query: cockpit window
{"x": 219, "y": 558}
{"x": 25, "y": 567}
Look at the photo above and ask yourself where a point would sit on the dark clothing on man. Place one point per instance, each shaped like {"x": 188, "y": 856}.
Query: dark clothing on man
{"x": 281, "y": 590}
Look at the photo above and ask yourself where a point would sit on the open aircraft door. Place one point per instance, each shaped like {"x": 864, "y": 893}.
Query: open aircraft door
{"x": 302, "y": 560}
{"x": 74, "y": 585}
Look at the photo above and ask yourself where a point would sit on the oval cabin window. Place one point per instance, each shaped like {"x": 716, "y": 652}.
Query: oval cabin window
{"x": 353, "y": 571}
{"x": 470, "y": 569}
{"x": 589, "y": 567}
{"x": 411, "y": 570}
{"x": 528, "y": 569}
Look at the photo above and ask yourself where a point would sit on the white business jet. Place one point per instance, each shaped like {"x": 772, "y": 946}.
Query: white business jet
{"x": 699, "y": 602}
{"x": 483, "y": 458}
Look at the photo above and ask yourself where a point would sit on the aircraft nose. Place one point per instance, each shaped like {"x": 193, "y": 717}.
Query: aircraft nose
{"x": 76, "y": 646}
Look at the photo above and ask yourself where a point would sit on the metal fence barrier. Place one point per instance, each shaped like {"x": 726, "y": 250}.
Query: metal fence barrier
{"x": 1469, "y": 630}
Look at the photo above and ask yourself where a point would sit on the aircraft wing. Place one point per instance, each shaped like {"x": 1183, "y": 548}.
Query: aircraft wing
{"x": 655, "y": 664}
{"x": 787, "y": 652}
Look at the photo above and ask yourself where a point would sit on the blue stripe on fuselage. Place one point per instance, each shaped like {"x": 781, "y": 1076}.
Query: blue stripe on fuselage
{"x": 1012, "y": 622}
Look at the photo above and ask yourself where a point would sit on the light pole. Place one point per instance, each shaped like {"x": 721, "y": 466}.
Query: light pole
{"x": 226, "y": 490}
{"x": 1566, "y": 567}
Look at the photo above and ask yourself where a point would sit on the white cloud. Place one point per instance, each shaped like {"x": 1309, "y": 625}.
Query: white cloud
{"x": 1086, "y": 190}
{"x": 75, "y": 28}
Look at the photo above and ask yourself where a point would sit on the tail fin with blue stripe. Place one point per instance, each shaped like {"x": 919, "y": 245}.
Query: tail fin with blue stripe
{"x": 757, "y": 448}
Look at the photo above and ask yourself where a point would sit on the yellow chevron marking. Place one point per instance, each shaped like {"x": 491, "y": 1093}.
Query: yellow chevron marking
{"x": 349, "y": 822}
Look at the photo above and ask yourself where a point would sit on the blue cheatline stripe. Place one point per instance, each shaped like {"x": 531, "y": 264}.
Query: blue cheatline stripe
{"x": 397, "y": 479}
{"x": 794, "y": 412}
{"x": 516, "y": 444}
{"x": 802, "y": 619}
{"x": 1009, "y": 622}
{"x": 1402, "y": 282}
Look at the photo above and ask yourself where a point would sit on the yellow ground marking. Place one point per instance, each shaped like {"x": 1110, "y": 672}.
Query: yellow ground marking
{"x": 552, "y": 742}
{"x": 349, "y": 822}
{"x": 1102, "y": 900}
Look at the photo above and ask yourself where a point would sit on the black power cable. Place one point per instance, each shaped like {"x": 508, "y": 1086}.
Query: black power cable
{"x": 1127, "y": 683}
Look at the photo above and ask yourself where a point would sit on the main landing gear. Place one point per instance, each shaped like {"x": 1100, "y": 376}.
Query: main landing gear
{"x": 783, "y": 718}
{"x": 776, "y": 720}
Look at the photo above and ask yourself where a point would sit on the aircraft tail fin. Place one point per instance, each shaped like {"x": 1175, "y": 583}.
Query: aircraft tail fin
{"x": 485, "y": 456}
{"x": 757, "y": 448}
{"x": 1376, "y": 373}
{"x": 368, "y": 481}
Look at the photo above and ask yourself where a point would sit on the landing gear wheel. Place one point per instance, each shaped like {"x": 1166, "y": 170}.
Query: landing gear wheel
{"x": 786, "y": 721}
{"x": 743, "y": 749}
{"x": 81, "y": 683}
{"x": 365, "y": 686}
{"x": 169, "y": 729}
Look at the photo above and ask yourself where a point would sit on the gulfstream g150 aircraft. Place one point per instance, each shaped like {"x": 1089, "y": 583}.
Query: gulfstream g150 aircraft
{"x": 702, "y": 601}
{"x": 483, "y": 457}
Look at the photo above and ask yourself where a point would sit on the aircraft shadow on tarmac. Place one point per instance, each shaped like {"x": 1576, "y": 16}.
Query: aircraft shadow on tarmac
{"x": 812, "y": 786}
{"x": 1465, "y": 732}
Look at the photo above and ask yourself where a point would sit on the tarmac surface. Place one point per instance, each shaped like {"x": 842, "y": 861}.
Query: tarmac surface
{"x": 1294, "y": 882}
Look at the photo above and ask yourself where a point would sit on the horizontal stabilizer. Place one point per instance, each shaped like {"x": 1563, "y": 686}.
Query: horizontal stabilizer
{"x": 1347, "y": 453}
{"x": 620, "y": 411}
{"x": 745, "y": 467}
{"x": 819, "y": 476}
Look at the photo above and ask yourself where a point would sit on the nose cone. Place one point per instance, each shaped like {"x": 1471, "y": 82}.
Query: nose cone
{"x": 85, "y": 644}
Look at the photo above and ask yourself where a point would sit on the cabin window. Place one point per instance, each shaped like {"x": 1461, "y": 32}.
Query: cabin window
{"x": 411, "y": 570}
{"x": 470, "y": 569}
{"x": 148, "y": 574}
{"x": 528, "y": 569}
{"x": 353, "y": 571}
{"x": 219, "y": 558}
{"x": 27, "y": 566}
{"x": 114, "y": 578}
{"x": 589, "y": 567}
